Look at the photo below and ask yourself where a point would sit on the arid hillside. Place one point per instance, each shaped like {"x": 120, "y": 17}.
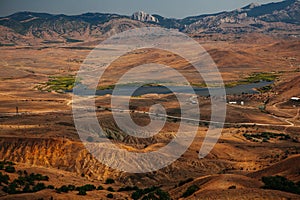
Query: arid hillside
{"x": 43, "y": 156}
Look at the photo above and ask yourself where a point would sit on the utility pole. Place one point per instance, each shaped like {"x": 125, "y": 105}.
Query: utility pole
{"x": 17, "y": 107}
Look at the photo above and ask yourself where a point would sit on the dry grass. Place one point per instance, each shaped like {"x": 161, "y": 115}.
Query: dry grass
{"x": 43, "y": 137}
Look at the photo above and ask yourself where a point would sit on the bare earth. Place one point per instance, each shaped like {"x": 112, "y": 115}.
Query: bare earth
{"x": 42, "y": 137}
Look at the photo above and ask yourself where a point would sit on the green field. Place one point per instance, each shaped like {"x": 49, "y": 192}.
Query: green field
{"x": 58, "y": 84}
{"x": 254, "y": 78}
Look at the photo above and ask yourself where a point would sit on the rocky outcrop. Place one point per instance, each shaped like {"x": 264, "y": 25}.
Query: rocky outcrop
{"x": 61, "y": 154}
{"x": 144, "y": 17}
{"x": 71, "y": 156}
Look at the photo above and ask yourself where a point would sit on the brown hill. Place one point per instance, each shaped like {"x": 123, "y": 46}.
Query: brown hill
{"x": 289, "y": 168}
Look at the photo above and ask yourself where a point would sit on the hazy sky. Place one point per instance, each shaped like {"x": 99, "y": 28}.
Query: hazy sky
{"x": 167, "y": 8}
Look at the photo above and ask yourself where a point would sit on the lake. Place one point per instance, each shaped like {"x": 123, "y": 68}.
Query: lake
{"x": 237, "y": 90}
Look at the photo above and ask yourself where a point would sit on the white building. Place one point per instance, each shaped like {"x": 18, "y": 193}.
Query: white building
{"x": 194, "y": 102}
{"x": 295, "y": 99}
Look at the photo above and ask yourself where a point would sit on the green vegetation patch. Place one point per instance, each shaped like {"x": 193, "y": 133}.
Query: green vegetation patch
{"x": 7, "y": 166}
{"x": 254, "y": 78}
{"x": 65, "y": 188}
{"x": 7, "y": 45}
{"x": 81, "y": 192}
{"x": 3, "y": 178}
{"x": 30, "y": 183}
{"x": 257, "y": 77}
{"x": 266, "y": 136}
{"x": 25, "y": 183}
{"x": 281, "y": 183}
{"x": 87, "y": 187}
{"x": 265, "y": 89}
{"x": 110, "y": 189}
{"x": 190, "y": 190}
{"x": 135, "y": 84}
{"x": 52, "y": 42}
{"x": 199, "y": 85}
{"x": 100, "y": 187}
{"x": 128, "y": 188}
{"x": 185, "y": 181}
{"x": 106, "y": 87}
{"x": 70, "y": 40}
{"x": 109, "y": 181}
{"x": 58, "y": 84}
{"x": 81, "y": 189}
{"x": 150, "y": 193}
{"x": 157, "y": 194}
{"x": 110, "y": 196}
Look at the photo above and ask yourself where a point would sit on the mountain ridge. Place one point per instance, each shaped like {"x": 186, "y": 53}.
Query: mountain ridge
{"x": 281, "y": 18}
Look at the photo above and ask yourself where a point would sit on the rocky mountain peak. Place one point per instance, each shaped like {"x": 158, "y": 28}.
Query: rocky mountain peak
{"x": 144, "y": 17}
{"x": 251, "y": 6}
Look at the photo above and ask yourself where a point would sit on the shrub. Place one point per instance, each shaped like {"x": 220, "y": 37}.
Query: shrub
{"x": 20, "y": 173}
{"x": 81, "y": 192}
{"x": 100, "y": 187}
{"x": 110, "y": 196}
{"x": 191, "y": 190}
{"x": 24, "y": 183}
{"x": 280, "y": 183}
{"x": 150, "y": 189}
{"x": 10, "y": 169}
{"x": 162, "y": 194}
{"x": 50, "y": 187}
{"x": 265, "y": 140}
{"x": 88, "y": 187}
{"x": 71, "y": 187}
{"x": 109, "y": 181}
{"x": 128, "y": 188}
{"x": 11, "y": 188}
{"x": 26, "y": 189}
{"x": 140, "y": 192}
{"x": 9, "y": 163}
{"x": 157, "y": 194}
{"x": 90, "y": 139}
{"x": 38, "y": 177}
{"x": 185, "y": 181}
{"x": 63, "y": 188}
{"x": 232, "y": 187}
{"x": 38, "y": 187}
{"x": 110, "y": 189}
{"x": 4, "y": 178}
{"x": 265, "y": 136}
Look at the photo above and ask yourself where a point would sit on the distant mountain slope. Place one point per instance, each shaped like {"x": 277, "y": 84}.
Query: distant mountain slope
{"x": 268, "y": 18}
{"x": 46, "y": 27}
{"x": 285, "y": 11}
{"x": 282, "y": 18}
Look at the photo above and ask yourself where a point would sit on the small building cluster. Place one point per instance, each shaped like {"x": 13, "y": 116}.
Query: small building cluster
{"x": 295, "y": 99}
{"x": 194, "y": 100}
{"x": 236, "y": 103}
